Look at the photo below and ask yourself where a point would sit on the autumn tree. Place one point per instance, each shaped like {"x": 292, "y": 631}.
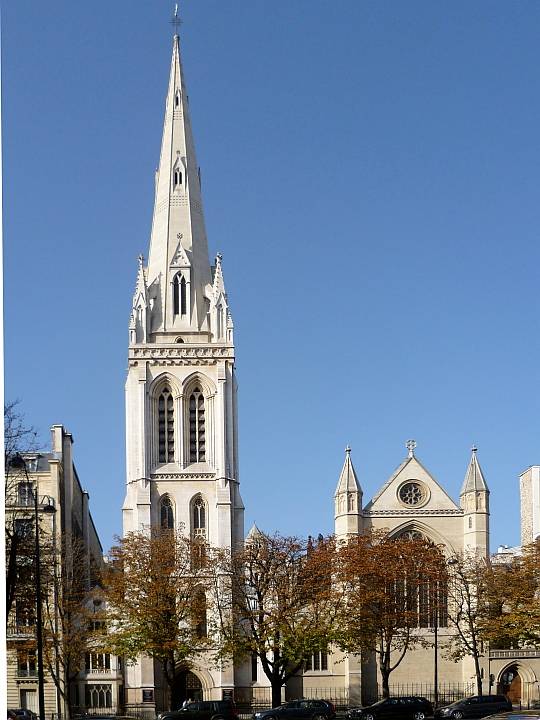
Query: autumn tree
{"x": 154, "y": 590}
{"x": 511, "y": 617}
{"x": 274, "y": 599}
{"x": 389, "y": 587}
{"x": 19, "y": 438}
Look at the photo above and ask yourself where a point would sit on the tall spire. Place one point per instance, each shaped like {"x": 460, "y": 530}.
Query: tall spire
{"x": 178, "y": 245}
{"x": 347, "y": 501}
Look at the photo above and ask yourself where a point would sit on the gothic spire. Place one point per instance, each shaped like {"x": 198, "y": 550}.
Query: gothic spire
{"x": 178, "y": 245}
{"x": 348, "y": 481}
{"x": 474, "y": 477}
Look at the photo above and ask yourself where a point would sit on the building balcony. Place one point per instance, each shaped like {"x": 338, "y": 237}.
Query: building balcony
{"x": 19, "y": 631}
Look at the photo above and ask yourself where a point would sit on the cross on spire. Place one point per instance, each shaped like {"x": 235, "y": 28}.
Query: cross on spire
{"x": 410, "y": 445}
{"x": 175, "y": 20}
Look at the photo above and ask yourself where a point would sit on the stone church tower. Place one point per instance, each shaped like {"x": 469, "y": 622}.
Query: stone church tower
{"x": 181, "y": 411}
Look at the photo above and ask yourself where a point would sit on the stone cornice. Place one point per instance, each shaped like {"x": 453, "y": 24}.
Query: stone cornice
{"x": 410, "y": 513}
{"x": 183, "y": 476}
{"x": 179, "y": 354}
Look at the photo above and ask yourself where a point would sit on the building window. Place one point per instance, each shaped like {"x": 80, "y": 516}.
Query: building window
{"x": 25, "y": 613}
{"x": 97, "y": 662}
{"x": 317, "y": 661}
{"x": 166, "y": 426}
{"x": 98, "y": 696}
{"x": 470, "y": 522}
{"x": 26, "y": 663}
{"x": 197, "y": 445}
{"x": 24, "y": 527}
{"x": 167, "y": 518}
{"x": 199, "y": 518}
{"x": 177, "y": 177}
{"x": 25, "y": 494}
{"x": 254, "y": 667}
{"x": 179, "y": 295}
{"x": 412, "y": 493}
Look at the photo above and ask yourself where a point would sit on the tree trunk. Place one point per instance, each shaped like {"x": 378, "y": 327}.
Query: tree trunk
{"x": 276, "y": 692}
{"x": 478, "y": 674}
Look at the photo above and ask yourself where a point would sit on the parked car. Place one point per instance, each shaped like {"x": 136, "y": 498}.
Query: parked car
{"x": 409, "y": 707}
{"x": 203, "y": 710}
{"x": 301, "y": 709}
{"x": 478, "y": 706}
{"x": 25, "y": 714}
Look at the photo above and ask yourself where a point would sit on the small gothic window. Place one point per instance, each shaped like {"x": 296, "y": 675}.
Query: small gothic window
{"x": 166, "y": 426}
{"x": 167, "y": 518}
{"x": 470, "y": 522}
{"x": 179, "y": 295}
{"x": 412, "y": 493}
{"x": 197, "y": 445}
{"x": 177, "y": 177}
{"x": 199, "y": 517}
{"x": 177, "y": 99}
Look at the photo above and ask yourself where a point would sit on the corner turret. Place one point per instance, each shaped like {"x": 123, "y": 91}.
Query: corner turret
{"x": 348, "y": 501}
{"x": 474, "y": 501}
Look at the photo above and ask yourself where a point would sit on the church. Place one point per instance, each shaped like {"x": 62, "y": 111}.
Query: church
{"x": 182, "y": 444}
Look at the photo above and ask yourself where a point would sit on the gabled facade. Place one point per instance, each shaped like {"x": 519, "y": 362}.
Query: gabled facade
{"x": 410, "y": 501}
{"x": 181, "y": 411}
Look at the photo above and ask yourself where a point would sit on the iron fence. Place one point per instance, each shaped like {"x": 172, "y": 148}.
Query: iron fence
{"x": 447, "y": 692}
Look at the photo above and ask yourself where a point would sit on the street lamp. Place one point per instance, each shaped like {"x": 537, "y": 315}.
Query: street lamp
{"x": 47, "y": 506}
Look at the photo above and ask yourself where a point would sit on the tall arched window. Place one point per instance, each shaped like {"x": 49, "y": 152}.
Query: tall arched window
{"x": 179, "y": 295}
{"x": 166, "y": 426}
{"x": 199, "y": 518}
{"x": 197, "y": 445}
{"x": 166, "y": 510}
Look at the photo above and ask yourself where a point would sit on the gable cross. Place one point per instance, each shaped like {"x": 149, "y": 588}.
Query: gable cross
{"x": 410, "y": 445}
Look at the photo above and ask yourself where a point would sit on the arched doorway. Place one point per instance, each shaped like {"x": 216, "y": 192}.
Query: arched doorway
{"x": 510, "y": 684}
{"x": 187, "y": 686}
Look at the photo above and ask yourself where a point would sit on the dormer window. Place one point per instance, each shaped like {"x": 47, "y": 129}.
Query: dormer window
{"x": 177, "y": 99}
{"x": 177, "y": 178}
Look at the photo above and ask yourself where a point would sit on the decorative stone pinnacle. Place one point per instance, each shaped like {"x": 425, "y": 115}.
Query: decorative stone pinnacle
{"x": 141, "y": 260}
{"x": 410, "y": 445}
{"x": 219, "y": 258}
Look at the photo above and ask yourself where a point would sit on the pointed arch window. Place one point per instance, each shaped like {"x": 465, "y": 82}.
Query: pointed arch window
{"x": 166, "y": 512}
{"x": 177, "y": 178}
{"x": 166, "y": 426}
{"x": 199, "y": 517}
{"x": 197, "y": 441}
{"x": 179, "y": 295}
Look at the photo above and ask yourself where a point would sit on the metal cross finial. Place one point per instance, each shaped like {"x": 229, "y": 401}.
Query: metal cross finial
{"x": 348, "y": 449}
{"x": 474, "y": 449}
{"x": 410, "y": 445}
{"x": 175, "y": 20}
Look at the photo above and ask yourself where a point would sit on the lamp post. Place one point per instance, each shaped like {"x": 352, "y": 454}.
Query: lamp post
{"x": 46, "y": 506}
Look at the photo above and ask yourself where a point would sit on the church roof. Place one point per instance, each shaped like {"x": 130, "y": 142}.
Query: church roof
{"x": 474, "y": 477}
{"x": 348, "y": 482}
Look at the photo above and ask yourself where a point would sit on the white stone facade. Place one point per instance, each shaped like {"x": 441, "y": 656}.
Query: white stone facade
{"x": 529, "y": 486}
{"x": 181, "y": 414}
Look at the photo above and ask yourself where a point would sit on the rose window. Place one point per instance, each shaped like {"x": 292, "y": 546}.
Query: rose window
{"x": 411, "y": 493}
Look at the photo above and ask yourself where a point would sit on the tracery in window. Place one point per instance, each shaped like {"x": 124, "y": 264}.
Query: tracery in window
{"x": 199, "y": 517}
{"x": 166, "y": 513}
{"x": 412, "y": 493}
{"x": 197, "y": 441}
{"x": 166, "y": 426}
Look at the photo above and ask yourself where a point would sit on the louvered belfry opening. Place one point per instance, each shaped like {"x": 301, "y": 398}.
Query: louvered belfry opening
{"x": 197, "y": 442}
{"x": 166, "y": 426}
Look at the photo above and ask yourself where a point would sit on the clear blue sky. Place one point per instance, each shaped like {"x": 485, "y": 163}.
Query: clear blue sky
{"x": 371, "y": 173}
